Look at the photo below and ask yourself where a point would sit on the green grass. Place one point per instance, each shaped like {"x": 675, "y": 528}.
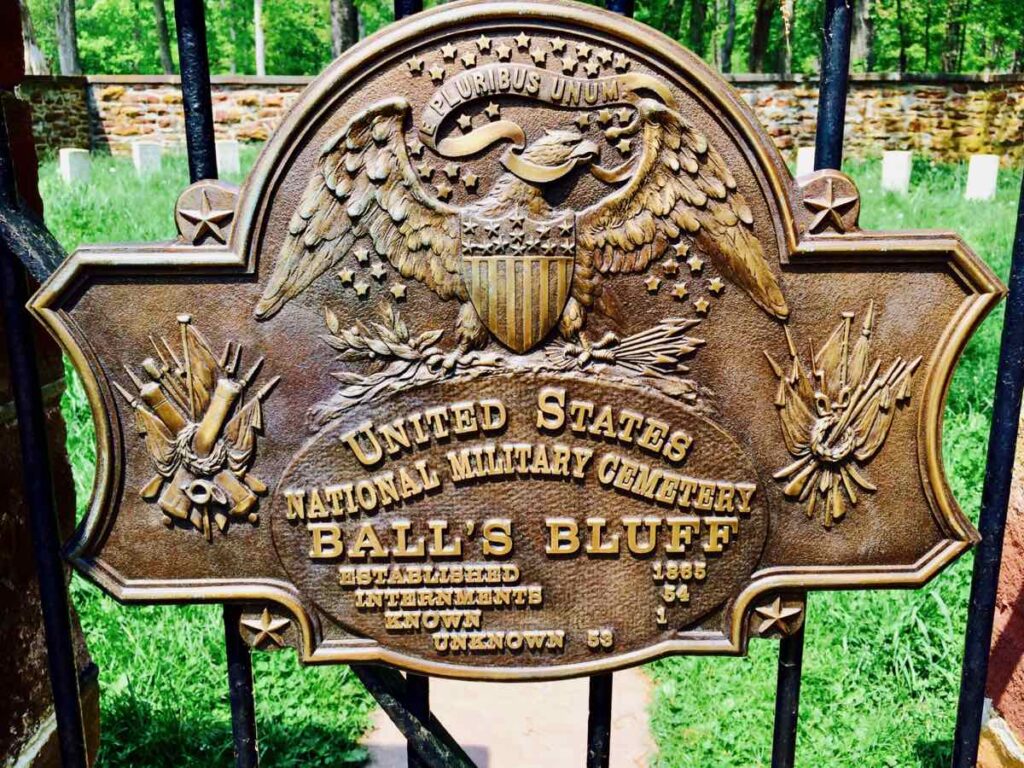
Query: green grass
{"x": 163, "y": 680}
{"x": 881, "y": 669}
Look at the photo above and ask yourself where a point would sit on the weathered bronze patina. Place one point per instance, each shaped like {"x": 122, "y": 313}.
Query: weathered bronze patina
{"x": 519, "y": 355}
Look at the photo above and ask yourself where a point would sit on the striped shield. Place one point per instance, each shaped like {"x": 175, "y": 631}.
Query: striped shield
{"x": 518, "y": 271}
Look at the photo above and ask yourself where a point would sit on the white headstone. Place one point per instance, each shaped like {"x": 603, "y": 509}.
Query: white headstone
{"x": 227, "y": 157}
{"x": 146, "y": 156}
{"x": 804, "y": 161}
{"x": 896, "y": 168}
{"x": 75, "y": 165}
{"x": 982, "y": 175}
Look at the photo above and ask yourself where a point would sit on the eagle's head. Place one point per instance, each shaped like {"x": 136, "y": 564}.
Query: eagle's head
{"x": 556, "y": 147}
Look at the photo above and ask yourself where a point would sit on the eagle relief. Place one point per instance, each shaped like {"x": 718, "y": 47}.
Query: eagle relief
{"x": 550, "y": 366}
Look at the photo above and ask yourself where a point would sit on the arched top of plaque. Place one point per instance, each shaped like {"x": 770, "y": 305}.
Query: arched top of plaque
{"x": 520, "y": 354}
{"x": 623, "y": 56}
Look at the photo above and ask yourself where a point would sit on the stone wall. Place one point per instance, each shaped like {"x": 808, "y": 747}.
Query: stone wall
{"x": 946, "y": 117}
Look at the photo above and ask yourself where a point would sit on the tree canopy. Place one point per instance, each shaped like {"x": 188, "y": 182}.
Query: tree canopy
{"x": 124, "y": 36}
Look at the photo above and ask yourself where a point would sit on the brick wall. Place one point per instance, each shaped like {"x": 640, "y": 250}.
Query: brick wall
{"x": 943, "y": 117}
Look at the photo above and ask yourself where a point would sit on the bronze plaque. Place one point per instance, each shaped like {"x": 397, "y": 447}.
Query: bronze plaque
{"x": 520, "y": 354}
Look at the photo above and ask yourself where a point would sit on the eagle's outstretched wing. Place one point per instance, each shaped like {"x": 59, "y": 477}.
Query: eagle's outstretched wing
{"x": 678, "y": 187}
{"x": 365, "y": 185}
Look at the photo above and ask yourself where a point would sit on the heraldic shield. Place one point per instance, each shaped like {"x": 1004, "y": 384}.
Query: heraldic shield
{"x": 518, "y": 271}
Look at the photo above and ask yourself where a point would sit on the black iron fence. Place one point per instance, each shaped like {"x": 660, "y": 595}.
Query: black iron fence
{"x": 25, "y": 246}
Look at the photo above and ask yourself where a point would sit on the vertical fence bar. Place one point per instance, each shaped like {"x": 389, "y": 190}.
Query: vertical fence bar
{"x": 828, "y": 153}
{"x": 42, "y": 510}
{"x": 417, "y": 692}
{"x": 417, "y": 686}
{"x": 835, "y": 80}
{"x": 599, "y": 722}
{"x": 599, "y": 719}
{"x": 995, "y": 497}
{"x": 787, "y": 699}
{"x": 195, "y": 89}
{"x": 405, "y": 8}
{"x": 202, "y": 164}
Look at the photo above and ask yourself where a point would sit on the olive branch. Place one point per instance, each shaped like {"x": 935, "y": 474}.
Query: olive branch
{"x": 409, "y": 361}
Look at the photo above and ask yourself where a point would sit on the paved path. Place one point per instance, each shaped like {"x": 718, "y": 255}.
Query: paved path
{"x": 527, "y": 725}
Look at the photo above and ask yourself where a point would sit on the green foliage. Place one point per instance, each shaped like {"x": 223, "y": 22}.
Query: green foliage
{"x": 881, "y": 669}
{"x": 164, "y": 700}
{"x": 118, "y": 36}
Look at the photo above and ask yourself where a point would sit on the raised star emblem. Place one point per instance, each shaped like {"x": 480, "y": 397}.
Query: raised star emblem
{"x": 670, "y": 266}
{"x": 397, "y": 290}
{"x": 521, "y": 41}
{"x": 449, "y": 52}
{"x": 558, "y": 45}
{"x": 451, "y": 170}
{"x": 682, "y": 248}
{"x": 266, "y": 628}
{"x": 444, "y": 190}
{"x": 538, "y": 55}
{"x": 776, "y": 617}
{"x": 829, "y": 208}
{"x": 679, "y": 291}
{"x": 378, "y": 272}
{"x": 582, "y": 121}
{"x": 701, "y": 305}
{"x": 471, "y": 181}
{"x": 483, "y": 43}
{"x": 362, "y": 289}
{"x": 592, "y": 68}
{"x": 436, "y": 73}
{"x": 208, "y": 221}
{"x": 465, "y": 122}
{"x": 620, "y": 62}
{"x": 362, "y": 255}
{"x": 346, "y": 276}
{"x": 695, "y": 263}
{"x": 503, "y": 52}
{"x": 492, "y": 110}
{"x": 415, "y": 65}
{"x": 716, "y": 286}
{"x": 569, "y": 64}
{"x": 468, "y": 60}
{"x": 653, "y": 283}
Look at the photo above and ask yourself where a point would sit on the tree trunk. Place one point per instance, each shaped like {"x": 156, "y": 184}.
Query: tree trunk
{"x": 35, "y": 60}
{"x": 163, "y": 37}
{"x": 928, "y": 36}
{"x": 1018, "y": 55}
{"x": 951, "y": 43}
{"x": 136, "y": 33}
{"x": 763, "y": 13}
{"x": 261, "y": 54}
{"x": 344, "y": 26}
{"x": 862, "y": 47}
{"x": 902, "y": 26}
{"x": 67, "y": 39}
{"x": 672, "y": 18}
{"x": 730, "y": 37}
{"x": 698, "y": 22}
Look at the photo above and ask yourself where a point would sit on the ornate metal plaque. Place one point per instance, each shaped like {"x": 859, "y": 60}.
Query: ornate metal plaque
{"x": 520, "y": 354}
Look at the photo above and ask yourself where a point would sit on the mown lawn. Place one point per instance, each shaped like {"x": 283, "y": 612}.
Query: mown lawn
{"x": 881, "y": 669}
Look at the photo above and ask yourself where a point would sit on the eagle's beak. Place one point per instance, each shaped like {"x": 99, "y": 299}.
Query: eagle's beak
{"x": 585, "y": 150}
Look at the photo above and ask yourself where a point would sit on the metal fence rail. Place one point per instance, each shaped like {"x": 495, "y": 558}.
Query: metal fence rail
{"x": 406, "y": 698}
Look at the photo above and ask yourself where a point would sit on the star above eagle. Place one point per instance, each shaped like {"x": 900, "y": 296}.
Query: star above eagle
{"x": 675, "y": 189}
